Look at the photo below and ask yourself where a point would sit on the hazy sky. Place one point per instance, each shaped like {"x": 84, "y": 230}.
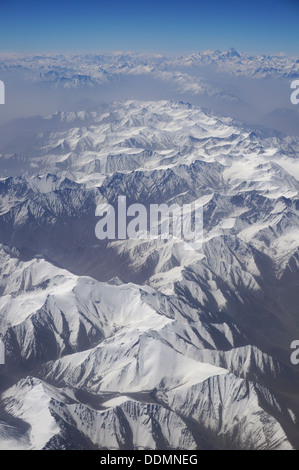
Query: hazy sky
{"x": 161, "y": 26}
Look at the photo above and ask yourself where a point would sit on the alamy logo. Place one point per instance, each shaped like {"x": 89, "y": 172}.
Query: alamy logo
{"x": 295, "y": 94}
{"x": 295, "y": 354}
{"x": 2, "y": 93}
{"x": 160, "y": 221}
{"x": 2, "y": 350}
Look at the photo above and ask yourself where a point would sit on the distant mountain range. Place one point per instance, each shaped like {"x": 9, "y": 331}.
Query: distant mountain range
{"x": 89, "y": 69}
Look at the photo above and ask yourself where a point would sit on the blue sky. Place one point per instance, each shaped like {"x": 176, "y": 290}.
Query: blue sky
{"x": 174, "y": 27}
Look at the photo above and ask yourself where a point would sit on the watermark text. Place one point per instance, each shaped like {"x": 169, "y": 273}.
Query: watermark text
{"x": 158, "y": 221}
{"x": 295, "y": 94}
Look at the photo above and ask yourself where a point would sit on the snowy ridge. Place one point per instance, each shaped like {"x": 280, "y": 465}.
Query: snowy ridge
{"x": 128, "y": 347}
{"x": 141, "y": 343}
